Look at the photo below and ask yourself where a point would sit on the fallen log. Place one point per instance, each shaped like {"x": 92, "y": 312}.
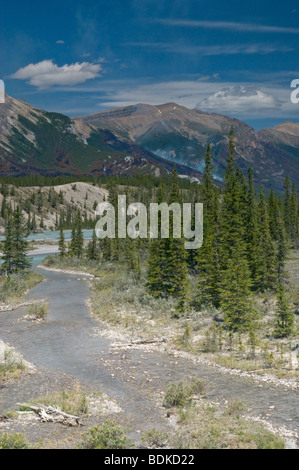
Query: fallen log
{"x": 8, "y": 308}
{"x": 50, "y": 414}
{"x": 139, "y": 341}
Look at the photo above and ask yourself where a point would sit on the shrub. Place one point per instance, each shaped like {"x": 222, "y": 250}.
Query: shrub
{"x": 73, "y": 402}
{"x": 38, "y": 310}
{"x": 13, "y": 441}
{"x": 236, "y": 408}
{"x": 108, "y": 436}
{"x": 154, "y": 438}
{"x": 15, "y": 285}
{"x": 180, "y": 394}
{"x": 13, "y": 364}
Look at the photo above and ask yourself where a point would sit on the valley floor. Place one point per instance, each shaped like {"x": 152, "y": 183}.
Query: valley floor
{"x": 72, "y": 351}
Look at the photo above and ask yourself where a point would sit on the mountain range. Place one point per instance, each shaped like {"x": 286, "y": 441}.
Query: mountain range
{"x": 142, "y": 139}
{"x": 36, "y": 141}
{"x": 180, "y": 134}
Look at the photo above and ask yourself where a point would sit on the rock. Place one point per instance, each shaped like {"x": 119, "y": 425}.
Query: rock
{"x": 294, "y": 344}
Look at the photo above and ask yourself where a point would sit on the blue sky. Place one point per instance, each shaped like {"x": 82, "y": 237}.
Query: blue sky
{"x": 234, "y": 58}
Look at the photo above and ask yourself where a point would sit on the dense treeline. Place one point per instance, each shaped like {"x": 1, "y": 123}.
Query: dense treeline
{"x": 147, "y": 181}
{"x": 39, "y": 204}
{"x": 246, "y": 239}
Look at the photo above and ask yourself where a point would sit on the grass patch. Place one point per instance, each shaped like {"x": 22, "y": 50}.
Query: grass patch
{"x": 13, "y": 287}
{"x": 72, "y": 263}
{"x": 154, "y": 439}
{"x": 204, "y": 425}
{"x": 107, "y": 436}
{"x": 13, "y": 441}
{"x": 179, "y": 394}
{"x": 73, "y": 402}
{"x": 38, "y": 310}
{"x": 121, "y": 301}
{"x": 12, "y": 366}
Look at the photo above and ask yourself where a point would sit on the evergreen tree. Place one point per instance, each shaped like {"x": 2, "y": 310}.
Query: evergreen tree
{"x": 73, "y": 242}
{"x": 15, "y": 248}
{"x": 281, "y": 251}
{"x": 233, "y": 209}
{"x": 235, "y": 294}
{"x": 285, "y": 316}
{"x": 251, "y": 228}
{"x": 79, "y": 237}
{"x": 293, "y": 216}
{"x": 61, "y": 244}
{"x": 20, "y": 244}
{"x": 157, "y": 281}
{"x": 8, "y": 249}
{"x": 176, "y": 266}
{"x": 274, "y": 215}
{"x": 167, "y": 265}
{"x": 265, "y": 276}
{"x": 132, "y": 258}
{"x": 92, "y": 247}
{"x": 235, "y": 273}
{"x": 114, "y": 243}
{"x": 208, "y": 266}
{"x": 287, "y": 205}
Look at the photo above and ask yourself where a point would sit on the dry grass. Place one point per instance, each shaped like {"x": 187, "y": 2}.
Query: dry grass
{"x": 204, "y": 425}
{"x": 13, "y": 287}
{"x": 122, "y": 302}
{"x": 12, "y": 366}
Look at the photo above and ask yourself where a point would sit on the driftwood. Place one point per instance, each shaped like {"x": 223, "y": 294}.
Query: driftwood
{"x": 139, "y": 341}
{"x": 8, "y": 308}
{"x": 50, "y": 414}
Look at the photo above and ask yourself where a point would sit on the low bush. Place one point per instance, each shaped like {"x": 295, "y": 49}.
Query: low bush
{"x": 38, "y": 310}
{"x": 180, "y": 394}
{"x": 107, "y": 436}
{"x": 13, "y": 441}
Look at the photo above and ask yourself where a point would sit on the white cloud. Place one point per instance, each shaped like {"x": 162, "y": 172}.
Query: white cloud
{"x": 240, "y": 99}
{"x": 46, "y": 73}
{"x": 60, "y": 41}
{"x": 215, "y": 50}
{"x": 228, "y": 25}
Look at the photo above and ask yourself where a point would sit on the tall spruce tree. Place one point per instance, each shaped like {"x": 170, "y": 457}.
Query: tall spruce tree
{"x": 285, "y": 316}
{"x": 235, "y": 295}
{"x": 157, "y": 281}
{"x": 77, "y": 239}
{"x": 15, "y": 251}
{"x": 274, "y": 215}
{"x": 251, "y": 227}
{"x": 176, "y": 268}
{"x": 92, "y": 247}
{"x": 287, "y": 206}
{"x": 8, "y": 249}
{"x": 266, "y": 260}
{"x": 208, "y": 255}
{"x": 61, "y": 244}
{"x": 167, "y": 262}
{"x": 293, "y": 216}
{"x": 132, "y": 257}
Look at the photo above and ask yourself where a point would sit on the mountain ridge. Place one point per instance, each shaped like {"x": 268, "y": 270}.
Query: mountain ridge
{"x": 180, "y": 134}
{"x": 37, "y": 141}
